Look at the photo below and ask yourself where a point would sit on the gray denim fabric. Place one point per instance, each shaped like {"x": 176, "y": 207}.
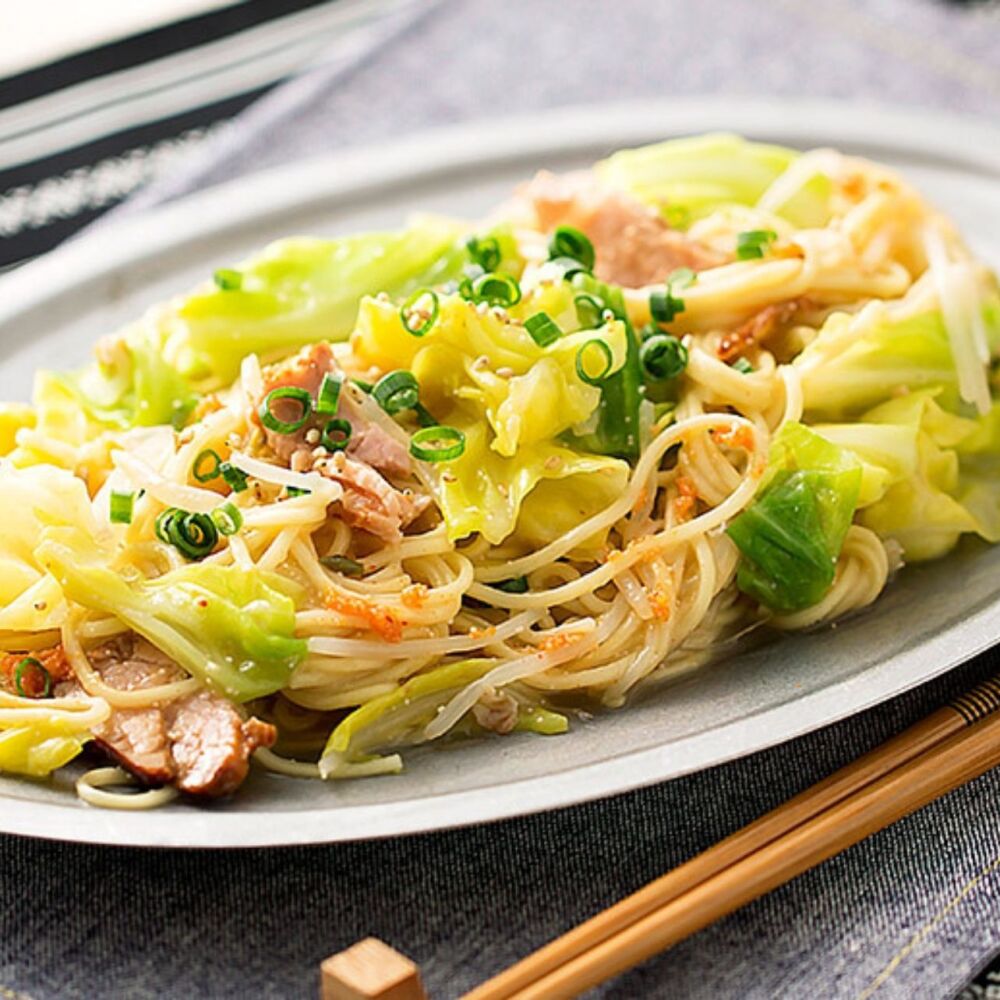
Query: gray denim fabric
{"x": 908, "y": 915}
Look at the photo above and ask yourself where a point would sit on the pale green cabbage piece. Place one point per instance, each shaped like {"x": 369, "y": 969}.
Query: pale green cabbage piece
{"x": 929, "y": 476}
{"x": 294, "y": 292}
{"x": 691, "y": 177}
{"x": 511, "y": 421}
{"x": 857, "y": 361}
{"x": 231, "y": 628}
{"x": 32, "y": 499}
{"x": 301, "y": 290}
{"x": 400, "y": 717}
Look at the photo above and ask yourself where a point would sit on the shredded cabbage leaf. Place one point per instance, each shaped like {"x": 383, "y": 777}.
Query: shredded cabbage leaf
{"x": 32, "y": 499}
{"x": 929, "y": 476}
{"x": 857, "y": 361}
{"x": 232, "y": 629}
{"x": 400, "y": 717}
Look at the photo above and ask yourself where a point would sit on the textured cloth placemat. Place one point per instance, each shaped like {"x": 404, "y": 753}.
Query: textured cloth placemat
{"x": 912, "y": 913}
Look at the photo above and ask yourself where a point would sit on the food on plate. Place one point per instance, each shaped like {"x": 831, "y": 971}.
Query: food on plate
{"x": 471, "y": 478}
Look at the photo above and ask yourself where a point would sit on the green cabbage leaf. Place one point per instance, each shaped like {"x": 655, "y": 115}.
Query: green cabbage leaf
{"x": 231, "y": 628}
{"x": 792, "y": 533}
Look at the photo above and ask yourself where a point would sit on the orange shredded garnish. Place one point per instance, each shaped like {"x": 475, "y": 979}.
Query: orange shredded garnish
{"x": 377, "y": 618}
{"x": 206, "y": 405}
{"x": 685, "y": 502}
{"x": 54, "y": 660}
{"x": 735, "y": 437}
{"x": 414, "y": 596}
{"x": 640, "y": 500}
{"x": 559, "y": 640}
{"x": 482, "y": 633}
{"x": 660, "y": 605}
{"x": 683, "y": 508}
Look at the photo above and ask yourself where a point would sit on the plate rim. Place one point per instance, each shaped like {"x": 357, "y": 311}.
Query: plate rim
{"x": 960, "y": 141}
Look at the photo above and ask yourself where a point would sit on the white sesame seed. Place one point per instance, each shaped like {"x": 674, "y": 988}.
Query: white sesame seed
{"x": 319, "y": 452}
{"x": 481, "y": 362}
{"x": 505, "y": 372}
{"x": 339, "y": 460}
{"x": 312, "y": 436}
{"x": 553, "y": 462}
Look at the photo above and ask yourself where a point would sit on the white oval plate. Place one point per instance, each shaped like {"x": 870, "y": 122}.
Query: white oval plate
{"x": 929, "y": 620}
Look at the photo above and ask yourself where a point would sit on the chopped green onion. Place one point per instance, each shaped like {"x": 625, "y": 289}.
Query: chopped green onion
{"x": 228, "y": 280}
{"x": 162, "y": 522}
{"x": 606, "y": 360}
{"x": 198, "y": 469}
{"x": 752, "y": 243}
{"x": 296, "y": 491}
{"x": 683, "y": 277}
{"x": 543, "y": 329}
{"x": 589, "y": 311}
{"x": 362, "y": 384}
{"x": 663, "y": 357}
{"x": 742, "y": 366}
{"x": 484, "y": 251}
{"x": 120, "y": 507}
{"x": 30, "y": 664}
{"x": 663, "y": 306}
{"x": 569, "y": 242}
{"x": 274, "y": 423}
{"x": 412, "y": 310}
{"x": 343, "y": 564}
{"x": 236, "y": 479}
{"x": 396, "y": 391}
{"x": 570, "y": 267}
{"x": 437, "y": 444}
{"x": 496, "y": 290}
{"x": 515, "y": 585}
{"x": 336, "y": 434}
{"x": 472, "y": 272}
{"x": 227, "y": 518}
{"x": 193, "y": 535}
{"x": 329, "y": 395}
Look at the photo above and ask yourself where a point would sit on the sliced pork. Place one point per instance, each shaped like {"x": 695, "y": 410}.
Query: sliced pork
{"x": 370, "y": 501}
{"x": 633, "y": 245}
{"x": 199, "y": 743}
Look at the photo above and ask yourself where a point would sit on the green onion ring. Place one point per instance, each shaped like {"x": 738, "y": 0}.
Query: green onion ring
{"x": 227, "y": 518}
{"x": 206, "y": 475}
{"x": 120, "y": 507}
{"x": 566, "y": 241}
{"x": 273, "y": 423}
{"x": 30, "y": 663}
{"x": 396, "y": 391}
{"x": 543, "y": 329}
{"x": 515, "y": 585}
{"x": 338, "y": 426}
{"x": 409, "y": 308}
{"x": 484, "y": 251}
{"x": 437, "y": 444}
{"x": 329, "y": 395}
{"x": 663, "y": 357}
{"x": 589, "y": 311}
{"x": 496, "y": 290}
{"x": 581, "y": 369}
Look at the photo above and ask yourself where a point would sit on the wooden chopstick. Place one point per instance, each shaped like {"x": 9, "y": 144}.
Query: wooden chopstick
{"x": 943, "y": 751}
